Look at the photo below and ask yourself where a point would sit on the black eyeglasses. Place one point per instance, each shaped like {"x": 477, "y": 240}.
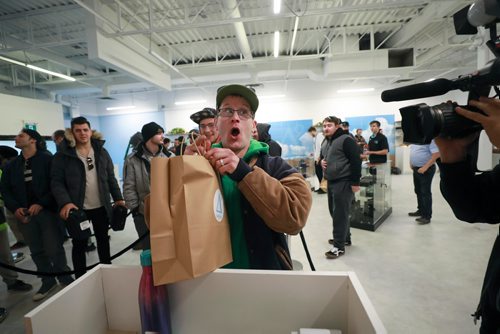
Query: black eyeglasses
{"x": 90, "y": 163}
{"x": 229, "y": 112}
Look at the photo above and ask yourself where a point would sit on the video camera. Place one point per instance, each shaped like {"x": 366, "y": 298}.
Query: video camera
{"x": 421, "y": 123}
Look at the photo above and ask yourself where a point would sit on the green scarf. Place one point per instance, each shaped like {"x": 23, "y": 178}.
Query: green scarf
{"x": 232, "y": 199}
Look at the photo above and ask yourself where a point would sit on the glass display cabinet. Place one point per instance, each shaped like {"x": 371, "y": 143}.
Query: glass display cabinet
{"x": 373, "y": 203}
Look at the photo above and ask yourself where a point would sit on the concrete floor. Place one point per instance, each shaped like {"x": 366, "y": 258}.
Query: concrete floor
{"x": 420, "y": 279}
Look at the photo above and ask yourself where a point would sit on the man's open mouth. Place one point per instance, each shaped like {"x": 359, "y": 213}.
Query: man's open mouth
{"x": 235, "y": 132}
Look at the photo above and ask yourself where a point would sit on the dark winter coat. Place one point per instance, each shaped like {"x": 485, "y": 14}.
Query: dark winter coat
{"x": 68, "y": 174}
{"x": 474, "y": 198}
{"x": 13, "y": 186}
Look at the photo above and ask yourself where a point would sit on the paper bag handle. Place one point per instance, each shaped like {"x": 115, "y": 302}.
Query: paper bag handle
{"x": 147, "y": 209}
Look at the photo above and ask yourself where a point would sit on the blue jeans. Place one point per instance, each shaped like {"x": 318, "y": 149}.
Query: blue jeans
{"x": 422, "y": 184}
{"x": 45, "y": 241}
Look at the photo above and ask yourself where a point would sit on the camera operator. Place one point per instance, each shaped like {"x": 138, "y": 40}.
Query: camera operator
{"x": 475, "y": 198}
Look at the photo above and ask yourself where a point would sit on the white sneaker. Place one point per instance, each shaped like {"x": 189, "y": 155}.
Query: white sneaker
{"x": 334, "y": 253}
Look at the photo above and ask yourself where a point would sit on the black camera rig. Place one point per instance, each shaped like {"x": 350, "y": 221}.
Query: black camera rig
{"x": 421, "y": 123}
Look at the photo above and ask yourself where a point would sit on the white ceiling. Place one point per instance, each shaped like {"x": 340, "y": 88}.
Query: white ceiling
{"x": 168, "y": 45}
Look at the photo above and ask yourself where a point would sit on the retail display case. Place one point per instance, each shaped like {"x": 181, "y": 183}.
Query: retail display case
{"x": 373, "y": 203}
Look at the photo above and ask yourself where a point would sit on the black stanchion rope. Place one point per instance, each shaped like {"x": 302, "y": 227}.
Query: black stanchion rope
{"x": 41, "y": 273}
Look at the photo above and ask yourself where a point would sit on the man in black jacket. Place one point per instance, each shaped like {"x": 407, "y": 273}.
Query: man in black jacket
{"x": 83, "y": 178}
{"x": 475, "y": 198}
{"x": 342, "y": 168}
{"x": 26, "y": 191}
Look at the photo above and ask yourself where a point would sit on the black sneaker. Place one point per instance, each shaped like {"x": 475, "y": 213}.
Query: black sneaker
{"x": 3, "y": 313}
{"x": 44, "y": 291}
{"x": 414, "y": 214}
{"x": 19, "y": 286}
{"x": 17, "y": 245}
{"x": 66, "y": 281}
{"x": 423, "y": 221}
{"x": 346, "y": 243}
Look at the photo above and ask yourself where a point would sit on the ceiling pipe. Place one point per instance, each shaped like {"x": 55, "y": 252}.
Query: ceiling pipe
{"x": 241, "y": 34}
{"x": 114, "y": 26}
{"x": 52, "y": 57}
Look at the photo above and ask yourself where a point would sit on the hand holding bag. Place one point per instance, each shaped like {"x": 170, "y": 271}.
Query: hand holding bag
{"x": 189, "y": 228}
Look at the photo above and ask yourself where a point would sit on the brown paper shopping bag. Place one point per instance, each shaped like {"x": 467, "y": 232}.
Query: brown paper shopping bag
{"x": 189, "y": 228}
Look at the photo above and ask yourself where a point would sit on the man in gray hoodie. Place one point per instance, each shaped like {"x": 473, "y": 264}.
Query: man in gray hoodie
{"x": 342, "y": 168}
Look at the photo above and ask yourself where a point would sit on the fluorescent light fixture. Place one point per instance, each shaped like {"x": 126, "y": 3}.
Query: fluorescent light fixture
{"x": 277, "y": 6}
{"x": 277, "y": 96}
{"x": 13, "y": 61}
{"x": 183, "y": 103}
{"x": 120, "y": 108}
{"x": 39, "y": 69}
{"x": 276, "y": 44}
{"x": 431, "y": 79}
{"x": 357, "y": 90}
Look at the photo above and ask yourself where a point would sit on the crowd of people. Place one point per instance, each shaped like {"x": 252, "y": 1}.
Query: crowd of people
{"x": 266, "y": 198}
{"x": 51, "y": 196}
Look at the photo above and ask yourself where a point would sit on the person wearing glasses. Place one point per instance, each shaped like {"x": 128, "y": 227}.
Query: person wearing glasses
{"x": 265, "y": 197}
{"x": 136, "y": 176}
{"x": 25, "y": 187}
{"x": 205, "y": 119}
{"x": 83, "y": 178}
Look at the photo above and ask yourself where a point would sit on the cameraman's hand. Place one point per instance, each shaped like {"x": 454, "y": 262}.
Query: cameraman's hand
{"x": 454, "y": 149}
{"x": 490, "y": 121}
{"x": 64, "y": 213}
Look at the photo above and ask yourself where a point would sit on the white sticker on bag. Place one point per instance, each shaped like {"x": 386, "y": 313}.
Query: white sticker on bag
{"x": 85, "y": 225}
{"x": 218, "y": 206}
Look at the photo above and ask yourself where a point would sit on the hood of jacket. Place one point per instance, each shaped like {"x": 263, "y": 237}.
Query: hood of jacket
{"x": 263, "y": 131}
{"x": 69, "y": 141}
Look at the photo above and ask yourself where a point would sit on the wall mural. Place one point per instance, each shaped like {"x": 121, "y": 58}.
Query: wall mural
{"x": 386, "y": 124}
{"x": 296, "y": 143}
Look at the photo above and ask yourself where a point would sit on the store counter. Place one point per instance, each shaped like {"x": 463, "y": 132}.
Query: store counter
{"x": 226, "y": 301}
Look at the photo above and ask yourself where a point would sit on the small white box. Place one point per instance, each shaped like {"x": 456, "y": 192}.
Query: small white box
{"x": 225, "y": 301}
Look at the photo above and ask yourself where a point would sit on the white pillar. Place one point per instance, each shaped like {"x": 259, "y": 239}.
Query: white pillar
{"x": 485, "y": 155}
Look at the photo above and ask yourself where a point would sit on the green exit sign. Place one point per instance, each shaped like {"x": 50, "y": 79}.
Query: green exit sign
{"x": 30, "y": 126}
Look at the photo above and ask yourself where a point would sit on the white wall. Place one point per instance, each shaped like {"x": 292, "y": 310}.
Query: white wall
{"x": 15, "y": 111}
{"x": 311, "y": 100}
